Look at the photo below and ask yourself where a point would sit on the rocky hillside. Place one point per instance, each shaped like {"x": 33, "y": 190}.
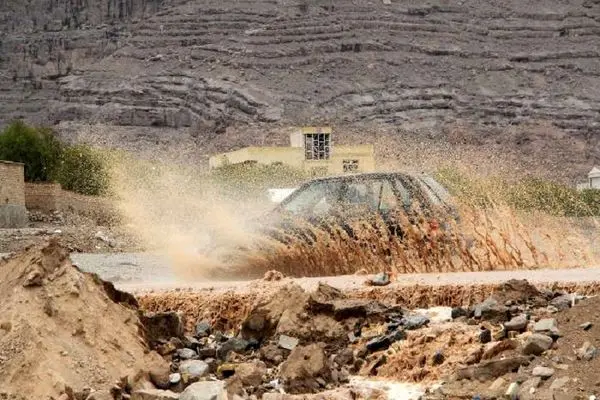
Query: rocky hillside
{"x": 400, "y": 63}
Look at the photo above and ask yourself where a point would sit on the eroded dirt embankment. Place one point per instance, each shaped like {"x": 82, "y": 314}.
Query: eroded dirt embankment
{"x": 227, "y": 308}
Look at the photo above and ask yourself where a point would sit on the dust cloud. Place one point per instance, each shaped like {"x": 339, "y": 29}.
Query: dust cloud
{"x": 174, "y": 210}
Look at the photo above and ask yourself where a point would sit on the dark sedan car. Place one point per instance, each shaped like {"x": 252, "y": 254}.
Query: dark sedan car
{"x": 342, "y": 200}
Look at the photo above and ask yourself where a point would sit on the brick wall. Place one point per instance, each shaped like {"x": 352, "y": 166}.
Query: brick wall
{"x": 12, "y": 195}
{"x": 12, "y": 176}
{"x": 49, "y": 197}
{"x": 42, "y": 196}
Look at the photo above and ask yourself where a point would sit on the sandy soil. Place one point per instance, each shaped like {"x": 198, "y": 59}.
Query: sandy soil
{"x": 60, "y": 328}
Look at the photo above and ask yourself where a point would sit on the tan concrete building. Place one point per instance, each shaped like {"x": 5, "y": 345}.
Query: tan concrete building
{"x": 311, "y": 149}
{"x": 13, "y": 213}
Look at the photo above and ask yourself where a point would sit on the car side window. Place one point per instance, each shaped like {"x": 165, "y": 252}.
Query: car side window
{"x": 362, "y": 193}
{"x": 387, "y": 198}
{"x": 404, "y": 193}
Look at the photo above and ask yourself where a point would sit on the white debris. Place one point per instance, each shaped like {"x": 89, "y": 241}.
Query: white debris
{"x": 394, "y": 390}
{"x": 436, "y": 315}
{"x": 277, "y": 195}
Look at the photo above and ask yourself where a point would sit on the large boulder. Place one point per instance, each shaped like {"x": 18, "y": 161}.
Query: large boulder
{"x": 162, "y": 326}
{"x": 304, "y": 368}
{"x": 536, "y": 344}
{"x": 263, "y": 319}
{"x": 491, "y": 310}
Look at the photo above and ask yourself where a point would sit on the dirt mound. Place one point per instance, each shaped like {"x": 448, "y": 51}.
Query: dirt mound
{"x": 576, "y": 326}
{"x": 62, "y": 329}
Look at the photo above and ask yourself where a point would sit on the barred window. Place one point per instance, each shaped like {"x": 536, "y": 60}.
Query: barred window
{"x": 316, "y": 146}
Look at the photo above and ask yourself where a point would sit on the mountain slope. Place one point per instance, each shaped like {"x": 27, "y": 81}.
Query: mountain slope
{"x": 210, "y": 63}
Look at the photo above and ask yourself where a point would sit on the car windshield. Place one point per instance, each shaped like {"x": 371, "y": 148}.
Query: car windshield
{"x": 347, "y": 196}
{"x": 315, "y": 198}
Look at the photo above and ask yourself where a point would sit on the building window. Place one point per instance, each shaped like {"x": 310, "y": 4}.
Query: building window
{"x": 316, "y": 146}
{"x": 350, "y": 165}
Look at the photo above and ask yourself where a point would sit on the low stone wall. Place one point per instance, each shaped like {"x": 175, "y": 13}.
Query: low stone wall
{"x": 48, "y": 197}
{"x": 13, "y": 216}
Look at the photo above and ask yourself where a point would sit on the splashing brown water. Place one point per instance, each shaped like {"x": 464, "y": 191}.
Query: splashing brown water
{"x": 174, "y": 209}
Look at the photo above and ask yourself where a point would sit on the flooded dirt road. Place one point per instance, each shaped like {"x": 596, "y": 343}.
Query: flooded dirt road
{"x": 141, "y": 272}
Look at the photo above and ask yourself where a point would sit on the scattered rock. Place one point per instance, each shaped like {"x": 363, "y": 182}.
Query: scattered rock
{"x": 495, "y": 348}
{"x": 271, "y": 353}
{"x": 485, "y": 335}
{"x": 513, "y": 391}
{"x": 384, "y": 341}
{"x": 458, "y": 312}
{"x": 304, "y": 365}
{"x": 543, "y": 372}
{"x": 186, "y": 354}
{"x": 160, "y": 377}
{"x": 474, "y": 357}
{"x": 192, "y": 370}
{"x": 206, "y": 390}
{"x": 381, "y": 279}
{"x": 379, "y": 343}
{"x": 345, "y": 357}
{"x": 586, "y": 326}
{"x": 154, "y": 394}
{"x": 414, "y": 322}
{"x": 438, "y": 358}
{"x": 356, "y": 308}
{"x": 586, "y": 352}
{"x": 559, "y": 383}
{"x": 203, "y": 329}
{"x": 491, "y": 310}
{"x": 371, "y": 367}
{"x": 288, "y": 342}
{"x": 562, "y": 302}
{"x": 207, "y": 352}
{"x": 175, "y": 378}
{"x": 518, "y": 324}
{"x": 237, "y": 345}
{"x": 536, "y": 344}
{"x": 498, "y": 385}
{"x": 529, "y": 386}
{"x": 250, "y": 373}
{"x": 547, "y": 326}
{"x": 492, "y": 369}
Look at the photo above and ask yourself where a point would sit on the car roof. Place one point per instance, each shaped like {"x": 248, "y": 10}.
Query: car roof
{"x": 365, "y": 175}
{"x": 428, "y": 184}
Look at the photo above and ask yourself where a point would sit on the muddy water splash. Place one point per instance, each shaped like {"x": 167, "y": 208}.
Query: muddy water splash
{"x": 178, "y": 211}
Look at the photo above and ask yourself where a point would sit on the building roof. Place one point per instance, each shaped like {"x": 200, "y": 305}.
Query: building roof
{"x": 594, "y": 173}
{"x": 10, "y": 162}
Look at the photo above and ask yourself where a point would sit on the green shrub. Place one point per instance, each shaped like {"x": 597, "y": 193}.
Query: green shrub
{"x": 77, "y": 168}
{"x": 83, "y": 170}
{"x": 529, "y": 193}
{"x": 38, "y": 149}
